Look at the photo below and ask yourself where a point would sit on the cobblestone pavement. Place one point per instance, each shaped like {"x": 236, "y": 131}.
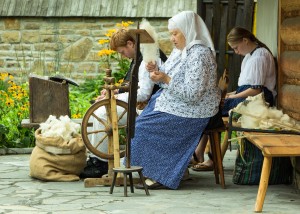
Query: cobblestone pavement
{"x": 21, "y": 194}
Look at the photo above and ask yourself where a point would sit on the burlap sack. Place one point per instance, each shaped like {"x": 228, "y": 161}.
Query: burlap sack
{"x": 54, "y": 159}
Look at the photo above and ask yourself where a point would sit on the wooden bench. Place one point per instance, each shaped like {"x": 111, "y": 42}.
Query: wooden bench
{"x": 271, "y": 145}
{"x": 27, "y": 124}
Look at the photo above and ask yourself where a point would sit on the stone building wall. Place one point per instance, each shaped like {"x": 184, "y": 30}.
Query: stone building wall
{"x": 47, "y": 45}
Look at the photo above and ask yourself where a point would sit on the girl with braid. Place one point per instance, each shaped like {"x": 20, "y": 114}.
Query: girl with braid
{"x": 258, "y": 71}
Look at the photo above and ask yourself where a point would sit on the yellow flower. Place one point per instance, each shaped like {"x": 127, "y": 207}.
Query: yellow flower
{"x": 105, "y": 52}
{"x": 110, "y": 32}
{"x": 4, "y": 93}
{"x": 75, "y": 116}
{"x": 18, "y": 96}
{"x": 23, "y": 108}
{"x": 4, "y": 75}
{"x": 12, "y": 88}
{"x": 124, "y": 24}
{"x": 24, "y": 93}
{"x": 11, "y": 82}
{"x": 103, "y": 41}
{"x": 9, "y": 102}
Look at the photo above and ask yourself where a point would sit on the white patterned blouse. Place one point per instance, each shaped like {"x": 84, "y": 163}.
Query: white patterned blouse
{"x": 192, "y": 91}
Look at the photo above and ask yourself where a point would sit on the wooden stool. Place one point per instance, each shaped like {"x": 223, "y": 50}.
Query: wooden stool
{"x": 128, "y": 171}
{"x": 215, "y": 143}
{"x": 225, "y": 142}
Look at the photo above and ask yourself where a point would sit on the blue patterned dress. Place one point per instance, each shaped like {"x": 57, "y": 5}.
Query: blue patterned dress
{"x": 164, "y": 143}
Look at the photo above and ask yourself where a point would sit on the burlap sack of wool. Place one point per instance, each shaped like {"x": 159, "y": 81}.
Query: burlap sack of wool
{"x": 54, "y": 159}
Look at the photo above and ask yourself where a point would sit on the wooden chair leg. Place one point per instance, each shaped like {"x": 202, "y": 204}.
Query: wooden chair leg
{"x": 213, "y": 151}
{"x": 225, "y": 144}
{"x": 217, "y": 137}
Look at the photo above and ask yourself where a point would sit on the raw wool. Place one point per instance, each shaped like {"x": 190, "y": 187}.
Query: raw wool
{"x": 150, "y": 51}
{"x": 257, "y": 114}
{"x": 253, "y": 105}
{"x": 63, "y": 127}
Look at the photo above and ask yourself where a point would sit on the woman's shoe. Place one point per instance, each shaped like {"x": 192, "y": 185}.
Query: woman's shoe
{"x": 202, "y": 167}
{"x": 150, "y": 185}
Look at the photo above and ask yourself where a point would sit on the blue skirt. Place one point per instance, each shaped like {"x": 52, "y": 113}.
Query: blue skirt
{"x": 233, "y": 102}
{"x": 164, "y": 143}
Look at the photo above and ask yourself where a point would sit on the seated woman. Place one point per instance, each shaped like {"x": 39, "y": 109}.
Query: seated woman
{"x": 258, "y": 74}
{"x": 170, "y": 127}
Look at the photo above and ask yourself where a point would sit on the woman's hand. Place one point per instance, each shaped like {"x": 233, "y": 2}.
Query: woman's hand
{"x": 230, "y": 95}
{"x": 244, "y": 94}
{"x": 151, "y": 66}
{"x": 156, "y": 75}
{"x": 103, "y": 94}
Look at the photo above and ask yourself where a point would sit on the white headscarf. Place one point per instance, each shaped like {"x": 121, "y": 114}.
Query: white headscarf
{"x": 193, "y": 28}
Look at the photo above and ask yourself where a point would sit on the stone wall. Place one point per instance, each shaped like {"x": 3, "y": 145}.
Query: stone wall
{"x": 69, "y": 46}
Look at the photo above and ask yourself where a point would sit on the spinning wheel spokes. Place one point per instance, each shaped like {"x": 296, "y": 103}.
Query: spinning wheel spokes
{"x": 97, "y": 131}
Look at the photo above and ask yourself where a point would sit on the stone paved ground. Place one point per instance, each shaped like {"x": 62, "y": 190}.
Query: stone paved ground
{"x": 20, "y": 194}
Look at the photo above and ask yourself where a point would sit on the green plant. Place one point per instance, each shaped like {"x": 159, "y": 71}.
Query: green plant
{"x": 14, "y": 104}
{"x": 80, "y": 101}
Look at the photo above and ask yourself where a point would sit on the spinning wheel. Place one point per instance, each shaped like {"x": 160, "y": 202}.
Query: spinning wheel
{"x": 102, "y": 131}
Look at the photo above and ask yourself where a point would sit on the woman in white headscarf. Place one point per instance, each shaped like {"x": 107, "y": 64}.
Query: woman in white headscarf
{"x": 171, "y": 125}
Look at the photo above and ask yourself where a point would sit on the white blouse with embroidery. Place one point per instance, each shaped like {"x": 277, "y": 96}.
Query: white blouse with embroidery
{"x": 258, "y": 69}
{"x": 192, "y": 91}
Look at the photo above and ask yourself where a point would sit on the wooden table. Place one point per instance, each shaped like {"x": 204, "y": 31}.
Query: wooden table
{"x": 271, "y": 145}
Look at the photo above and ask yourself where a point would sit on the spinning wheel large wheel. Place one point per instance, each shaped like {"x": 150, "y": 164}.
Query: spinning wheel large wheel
{"x": 97, "y": 130}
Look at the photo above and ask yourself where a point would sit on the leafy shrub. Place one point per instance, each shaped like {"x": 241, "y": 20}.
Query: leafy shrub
{"x": 14, "y": 105}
